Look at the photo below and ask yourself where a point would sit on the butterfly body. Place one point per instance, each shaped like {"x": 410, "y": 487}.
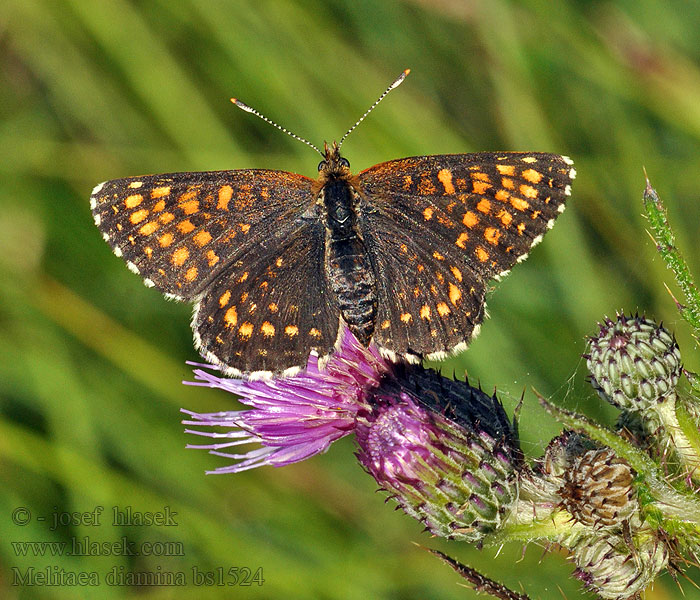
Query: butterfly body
{"x": 349, "y": 273}
{"x": 276, "y": 262}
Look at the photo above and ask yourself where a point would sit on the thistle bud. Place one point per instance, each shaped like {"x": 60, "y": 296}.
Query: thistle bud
{"x": 609, "y": 567}
{"x": 443, "y": 449}
{"x": 598, "y": 489}
{"x": 634, "y": 363}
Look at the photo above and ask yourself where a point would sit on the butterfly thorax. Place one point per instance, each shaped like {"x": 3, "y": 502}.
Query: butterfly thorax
{"x": 347, "y": 266}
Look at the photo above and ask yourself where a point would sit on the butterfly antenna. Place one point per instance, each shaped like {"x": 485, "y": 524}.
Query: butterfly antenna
{"x": 397, "y": 82}
{"x": 245, "y": 107}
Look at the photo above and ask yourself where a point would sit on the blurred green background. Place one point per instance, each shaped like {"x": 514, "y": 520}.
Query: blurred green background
{"x": 91, "y": 361}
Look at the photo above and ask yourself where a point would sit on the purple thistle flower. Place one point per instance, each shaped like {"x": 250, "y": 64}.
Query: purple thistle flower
{"x": 444, "y": 450}
{"x": 291, "y": 418}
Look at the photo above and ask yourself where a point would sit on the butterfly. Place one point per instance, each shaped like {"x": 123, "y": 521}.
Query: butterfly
{"x": 277, "y": 264}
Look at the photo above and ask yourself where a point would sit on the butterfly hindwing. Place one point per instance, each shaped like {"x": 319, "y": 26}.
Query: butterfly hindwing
{"x": 272, "y": 306}
{"x": 180, "y": 230}
{"x": 439, "y": 227}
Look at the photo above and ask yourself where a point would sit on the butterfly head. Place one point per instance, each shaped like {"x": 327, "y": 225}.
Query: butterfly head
{"x": 333, "y": 165}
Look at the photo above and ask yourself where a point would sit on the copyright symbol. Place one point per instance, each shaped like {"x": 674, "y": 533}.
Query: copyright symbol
{"x": 21, "y": 516}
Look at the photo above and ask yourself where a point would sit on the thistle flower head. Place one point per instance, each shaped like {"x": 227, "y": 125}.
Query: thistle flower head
{"x": 443, "y": 449}
{"x": 290, "y": 418}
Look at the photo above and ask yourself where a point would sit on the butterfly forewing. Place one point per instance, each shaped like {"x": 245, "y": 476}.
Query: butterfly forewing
{"x": 272, "y": 306}
{"x": 181, "y": 230}
{"x": 440, "y": 227}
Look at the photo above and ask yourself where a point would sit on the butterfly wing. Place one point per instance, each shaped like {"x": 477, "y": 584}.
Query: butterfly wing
{"x": 272, "y": 306}
{"x": 439, "y": 227}
{"x": 179, "y": 231}
{"x": 247, "y": 246}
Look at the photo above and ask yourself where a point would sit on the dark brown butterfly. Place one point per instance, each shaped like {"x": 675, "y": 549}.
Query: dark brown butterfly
{"x": 277, "y": 263}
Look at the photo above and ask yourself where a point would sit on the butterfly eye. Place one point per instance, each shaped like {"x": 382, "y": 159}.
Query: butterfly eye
{"x": 344, "y": 162}
{"x": 322, "y": 165}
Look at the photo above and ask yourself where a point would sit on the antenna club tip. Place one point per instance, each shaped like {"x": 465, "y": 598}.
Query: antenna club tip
{"x": 406, "y": 72}
{"x": 242, "y": 105}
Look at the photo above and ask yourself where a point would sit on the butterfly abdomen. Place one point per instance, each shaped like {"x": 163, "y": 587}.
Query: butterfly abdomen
{"x": 348, "y": 269}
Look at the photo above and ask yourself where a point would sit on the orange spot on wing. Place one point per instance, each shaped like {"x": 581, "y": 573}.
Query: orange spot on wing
{"x": 443, "y": 309}
{"x": 166, "y": 217}
{"x": 180, "y": 256}
{"x": 492, "y": 235}
{"x": 212, "y": 258}
{"x": 225, "y": 195}
{"x": 532, "y": 176}
{"x": 291, "y": 330}
{"x": 505, "y": 217}
{"x": 521, "y": 228}
{"x": 185, "y": 226}
{"x": 519, "y": 203}
{"x": 470, "y": 219}
{"x": 224, "y": 298}
{"x": 457, "y": 273}
{"x": 445, "y": 178}
{"x": 245, "y": 227}
{"x": 188, "y": 195}
{"x": 246, "y": 330}
{"x": 138, "y": 216}
{"x": 268, "y": 329}
{"x": 165, "y": 240}
{"x": 480, "y": 176}
{"x": 313, "y": 332}
{"x": 484, "y": 206}
{"x": 133, "y": 201}
{"x": 202, "y": 237}
{"x": 272, "y": 307}
{"x": 438, "y": 256}
{"x": 463, "y": 237}
{"x": 502, "y": 195}
{"x": 135, "y": 184}
{"x": 158, "y": 206}
{"x": 159, "y": 192}
{"x": 480, "y": 187}
{"x": 481, "y": 254}
{"x": 507, "y": 183}
{"x": 428, "y": 213}
{"x": 426, "y": 187}
{"x": 190, "y": 207}
{"x": 231, "y": 316}
{"x": 385, "y": 324}
{"x": 528, "y": 191}
{"x": 148, "y": 228}
{"x": 191, "y": 274}
{"x": 506, "y": 169}
{"x": 425, "y": 312}
{"x": 455, "y": 294}
{"x": 406, "y": 317}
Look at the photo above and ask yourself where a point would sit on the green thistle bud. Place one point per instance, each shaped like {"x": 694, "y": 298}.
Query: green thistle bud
{"x": 443, "y": 449}
{"x": 610, "y": 568}
{"x": 634, "y": 363}
{"x": 598, "y": 490}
